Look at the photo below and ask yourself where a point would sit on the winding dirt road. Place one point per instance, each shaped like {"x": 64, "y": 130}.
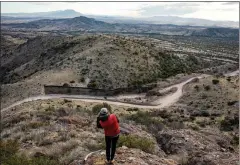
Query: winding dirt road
{"x": 159, "y": 103}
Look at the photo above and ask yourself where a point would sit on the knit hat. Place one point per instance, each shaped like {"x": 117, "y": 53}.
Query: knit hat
{"x": 103, "y": 112}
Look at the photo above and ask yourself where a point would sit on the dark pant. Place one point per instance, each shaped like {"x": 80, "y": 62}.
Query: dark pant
{"x": 111, "y": 143}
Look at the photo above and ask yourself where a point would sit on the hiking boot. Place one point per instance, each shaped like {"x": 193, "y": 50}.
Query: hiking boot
{"x": 112, "y": 161}
{"x": 107, "y": 162}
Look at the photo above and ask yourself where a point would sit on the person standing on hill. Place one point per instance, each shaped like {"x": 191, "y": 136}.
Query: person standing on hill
{"x": 110, "y": 124}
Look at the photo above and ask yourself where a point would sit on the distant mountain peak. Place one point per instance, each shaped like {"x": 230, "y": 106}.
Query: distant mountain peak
{"x": 68, "y": 13}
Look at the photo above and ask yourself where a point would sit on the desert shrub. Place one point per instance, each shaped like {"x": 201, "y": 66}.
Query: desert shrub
{"x": 194, "y": 127}
{"x": 216, "y": 113}
{"x": 92, "y": 84}
{"x": 135, "y": 53}
{"x": 228, "y": 78}
{"x": 72, "y": 81}
{"x": 215, "y": 81}
{"x": 82, "y": 79}
{"x": 163, "y": 114}
{"x": 133, "y": 141}
{"x": 204, "y": 113}
{"x": 196, "y": 87}
{"x": 152, "y": 93}
{"x": 90, "y": 61}
{"x": 195, "y": 80}
{"x": 67, "y": 101}
{"x": 212, "y": 118}
{"x": 145, "y": 118}
{"x": 43, "y": 160}
{"x": 207, "y": 87}
{"x": 132, "y": 109}
{"x": 235, "y": 140}
{"x": 84, "y": 71}
{"x": 66, "y": 85}
{"x": 176, "y": 125}
{"x": 96, "y": 109}
{"x": 50, "y": 109}
{"x": 36, "y": 124}
{"x": 229, "y": 123}
{"x": 192, "y": 118}
{"x": 203, "y": 96}
{"x": 201, "y": 123}
{"x": 230, "y": 103}
{"x": 95, "y": 146}
{"x": 9, "y": 156}
{"x": 8, "y": 148}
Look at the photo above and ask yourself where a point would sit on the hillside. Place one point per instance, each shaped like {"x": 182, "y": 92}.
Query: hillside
{"x": 62, "y": 131}
{"x": 134, "y": 62}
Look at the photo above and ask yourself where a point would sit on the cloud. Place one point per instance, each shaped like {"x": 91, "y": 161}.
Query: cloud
{"x": 170, "y": 9}
{"x": 41, "y": 3}
{"x": 231, "y": 3}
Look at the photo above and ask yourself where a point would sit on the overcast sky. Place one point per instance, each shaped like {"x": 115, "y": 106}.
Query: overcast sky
{"x": 207, "y": 10}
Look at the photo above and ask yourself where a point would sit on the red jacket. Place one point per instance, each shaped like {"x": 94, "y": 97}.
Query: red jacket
{"x": 110, "y": 126}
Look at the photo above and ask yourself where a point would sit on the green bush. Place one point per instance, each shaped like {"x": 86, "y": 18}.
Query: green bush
{"x": 133, "y": 141}
{"x": 96, "y": 109}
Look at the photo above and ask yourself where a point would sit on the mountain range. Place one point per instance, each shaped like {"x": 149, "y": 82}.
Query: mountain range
{"x": 51, "y": 14}
{"x": 22, "y": 17}
{"x": 85, "y": 24}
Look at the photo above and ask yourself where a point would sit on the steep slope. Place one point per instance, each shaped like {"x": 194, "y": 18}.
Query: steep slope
{"x": 133, "y": 62}
{"x": 97, "y": 61}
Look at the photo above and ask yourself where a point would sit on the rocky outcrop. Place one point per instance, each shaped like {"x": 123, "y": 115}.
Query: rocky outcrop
{"x": 198, "y": 148}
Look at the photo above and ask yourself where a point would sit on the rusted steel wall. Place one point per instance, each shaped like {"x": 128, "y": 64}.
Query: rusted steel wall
{"x": 51, "y": 89}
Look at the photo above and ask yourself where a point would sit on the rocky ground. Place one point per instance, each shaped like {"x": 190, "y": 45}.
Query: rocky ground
{"x": 185, "y": 133}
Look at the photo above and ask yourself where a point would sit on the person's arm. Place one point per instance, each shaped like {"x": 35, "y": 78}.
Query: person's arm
{"x": 98, "y": 123}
